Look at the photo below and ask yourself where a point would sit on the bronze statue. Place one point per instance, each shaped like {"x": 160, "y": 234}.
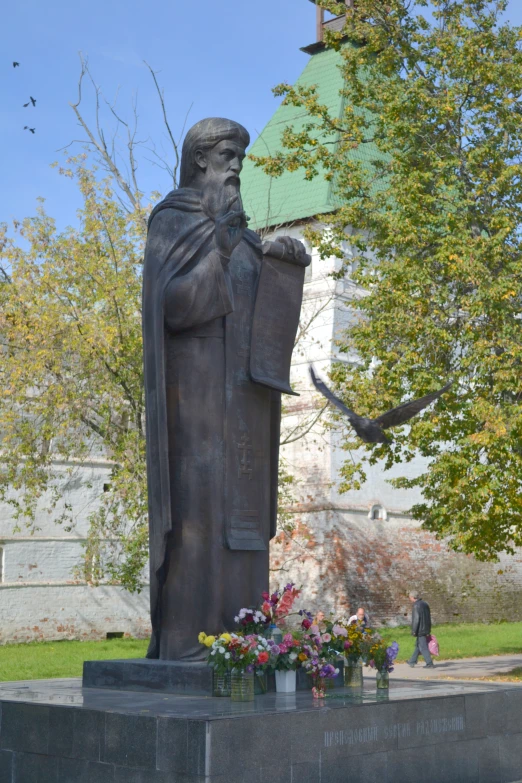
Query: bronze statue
{"x": 220, "y": 313}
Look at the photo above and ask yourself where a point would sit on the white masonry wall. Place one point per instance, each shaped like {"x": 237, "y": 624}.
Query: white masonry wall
{"x": 40, "y": 595}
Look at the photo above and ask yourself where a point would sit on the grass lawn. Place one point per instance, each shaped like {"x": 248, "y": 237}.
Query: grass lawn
{"x": 42, "y": 660}
{"x": 465, "y": 640}
{"x": 515, "y": 675}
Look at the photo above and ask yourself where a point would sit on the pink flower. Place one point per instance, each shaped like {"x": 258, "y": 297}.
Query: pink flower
{"x": 288, "y": 638}
{"x": 314, "y": 629}
{"x": 338, "y": 630}
{"x": 283, "y": 648}
{"x": 347, "y": 645}
{"x": 263, "y": 657}
{"x": 306, "y": 623}
{"x": 265, "y": 596}
{"x": 326, "y": 637}
{"x": 266, "y": 608}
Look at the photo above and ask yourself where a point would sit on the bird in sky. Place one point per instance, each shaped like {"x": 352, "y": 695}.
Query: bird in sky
{"x": 33, "y": 100}
{"x": 371, "y": 430}
{"x": 16, "y": 65}
{"x": 26, "y": 104}
{"x": 26, "y": 127}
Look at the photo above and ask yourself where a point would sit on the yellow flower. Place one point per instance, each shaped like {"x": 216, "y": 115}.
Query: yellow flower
{"x": 209, "y": 641}
{"x": 302, "y": 657}
{"x": 201, "y": 638}
{"x": 226, "y": 637}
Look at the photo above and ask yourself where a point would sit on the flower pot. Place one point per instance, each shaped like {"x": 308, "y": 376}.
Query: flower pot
{"x": 382, "y": 680}
{"x": 242, "y": 686}
{"x": 220, "y": 684}
{"x": 353, "y": 673}
{"x": 285, "y": 681}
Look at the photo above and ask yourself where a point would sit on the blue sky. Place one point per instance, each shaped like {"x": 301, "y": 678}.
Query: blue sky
{"x": 222, "y": 56}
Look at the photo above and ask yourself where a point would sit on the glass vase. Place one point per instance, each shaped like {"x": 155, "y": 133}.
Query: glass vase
{"x": 260, "y": 683}
{"x": 353, "y": 673}
{"x": 383, "y": 680}
{"x": 318, "y": 688}
{"x": 242, "y": 686}
{"x": 220, "y": 683}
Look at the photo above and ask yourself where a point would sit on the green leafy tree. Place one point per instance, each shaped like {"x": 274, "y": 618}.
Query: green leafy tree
{"x": 71, "y": 373}
{"x": 426, "y": 161}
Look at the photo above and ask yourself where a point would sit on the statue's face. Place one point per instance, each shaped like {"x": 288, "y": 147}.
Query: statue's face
{"x": 220, "y": 168}
{"x": 223, "y": 163}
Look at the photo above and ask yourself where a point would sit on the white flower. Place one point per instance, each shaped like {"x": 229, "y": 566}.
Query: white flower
{"x": 221, "y": 649}
{"x": 227, "y": 655}
{"x": 236, "y": 619}
{"x": 292, "y": 656}
{"x": 213, "y": 652}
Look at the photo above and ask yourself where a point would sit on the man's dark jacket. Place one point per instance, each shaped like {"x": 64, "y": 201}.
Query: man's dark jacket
{"x": 420, "y": 618}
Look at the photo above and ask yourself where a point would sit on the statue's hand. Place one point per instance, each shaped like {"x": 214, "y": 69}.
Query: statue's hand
{"x": 293, "y": 247}
{"x": 230, "y": 227}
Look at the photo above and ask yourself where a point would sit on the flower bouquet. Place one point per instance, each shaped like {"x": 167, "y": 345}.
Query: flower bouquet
{"x": 239, "y": 656}
{"x": 382, "y": 658}
{"x": 284, "y": 659}
{"x": 218, "y": 661}
{"x": 321, "y": 671}
{"x": 273, "y": 610}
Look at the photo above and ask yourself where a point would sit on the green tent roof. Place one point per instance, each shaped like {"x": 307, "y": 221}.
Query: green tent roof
{"x": 273, "y": 200}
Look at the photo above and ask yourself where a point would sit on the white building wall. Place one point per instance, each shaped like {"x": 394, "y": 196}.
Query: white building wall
{"x": 41, "y": 596}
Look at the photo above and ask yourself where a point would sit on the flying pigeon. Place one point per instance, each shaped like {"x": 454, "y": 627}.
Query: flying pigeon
{"x": 371, "y": 430}
{"x": 26, "y": 127}
{"x": 33, "y": 100}
{"x": 26, "y": 104}
{"x": 15, "y": 65}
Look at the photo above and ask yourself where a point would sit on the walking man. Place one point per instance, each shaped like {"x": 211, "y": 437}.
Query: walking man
{"x": 420, "y": 628}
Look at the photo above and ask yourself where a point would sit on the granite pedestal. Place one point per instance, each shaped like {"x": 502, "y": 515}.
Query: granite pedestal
{"x": 189, "y": 679}
{"x": 52, "y": 731}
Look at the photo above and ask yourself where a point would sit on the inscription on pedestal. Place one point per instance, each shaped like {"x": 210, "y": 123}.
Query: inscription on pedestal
{"x": 420, "y": 728}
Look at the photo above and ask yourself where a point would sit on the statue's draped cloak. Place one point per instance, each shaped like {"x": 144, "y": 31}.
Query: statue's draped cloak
{"x": 212, "y": 433}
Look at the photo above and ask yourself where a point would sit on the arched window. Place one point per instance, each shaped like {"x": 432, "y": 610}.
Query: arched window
{"x": 378, "y": 512}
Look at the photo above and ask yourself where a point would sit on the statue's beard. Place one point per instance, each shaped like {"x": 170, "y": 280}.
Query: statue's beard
{"x": 218, "y": 194}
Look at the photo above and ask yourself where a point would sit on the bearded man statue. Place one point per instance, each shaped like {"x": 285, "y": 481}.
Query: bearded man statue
{"x": 212, "y": 421}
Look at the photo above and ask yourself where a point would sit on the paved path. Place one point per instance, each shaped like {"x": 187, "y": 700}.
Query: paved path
{"x": 464, "y": 667}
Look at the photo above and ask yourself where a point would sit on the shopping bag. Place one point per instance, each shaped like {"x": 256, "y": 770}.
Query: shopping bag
{"x": 433, "y": 645}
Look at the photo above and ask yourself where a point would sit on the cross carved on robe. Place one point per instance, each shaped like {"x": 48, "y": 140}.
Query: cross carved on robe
{"x": 245, "y": 467}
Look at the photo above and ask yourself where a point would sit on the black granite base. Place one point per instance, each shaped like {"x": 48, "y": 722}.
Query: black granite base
{"x": 52, "y": 731}
{"x": 190, "y": 679}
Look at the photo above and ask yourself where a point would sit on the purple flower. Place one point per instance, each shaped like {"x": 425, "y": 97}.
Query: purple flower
{"x": 275, "y": 649}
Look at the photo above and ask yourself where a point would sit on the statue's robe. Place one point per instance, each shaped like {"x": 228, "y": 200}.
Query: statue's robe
{"x": 212, "y": 433}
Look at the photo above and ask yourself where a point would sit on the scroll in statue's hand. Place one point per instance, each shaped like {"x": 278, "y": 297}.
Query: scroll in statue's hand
{"x": 294, "y": 249}
{"x": 230, "y": 227}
